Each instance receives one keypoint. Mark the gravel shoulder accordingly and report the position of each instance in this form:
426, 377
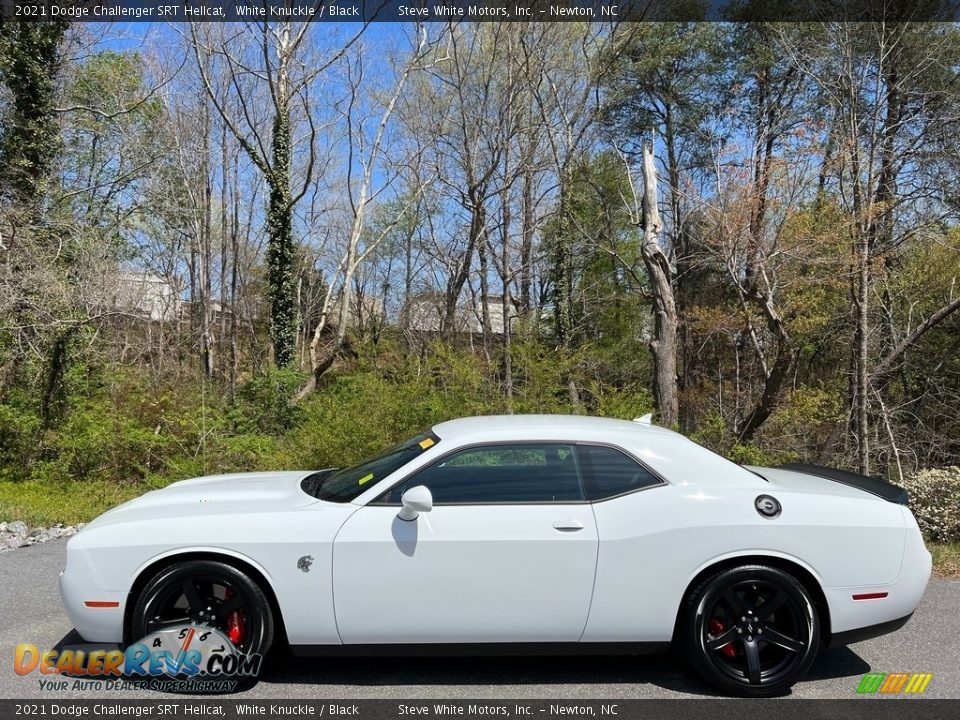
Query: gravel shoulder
15, 535
31, 612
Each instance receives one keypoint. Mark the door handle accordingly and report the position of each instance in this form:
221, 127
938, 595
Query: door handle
567, 525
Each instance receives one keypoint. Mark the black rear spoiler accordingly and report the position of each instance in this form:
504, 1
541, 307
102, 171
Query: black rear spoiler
872, 485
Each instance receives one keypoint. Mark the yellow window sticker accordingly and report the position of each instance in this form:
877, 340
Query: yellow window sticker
366, 478
426, 443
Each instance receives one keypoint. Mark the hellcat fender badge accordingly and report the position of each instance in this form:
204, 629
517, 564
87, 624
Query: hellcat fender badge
304, 563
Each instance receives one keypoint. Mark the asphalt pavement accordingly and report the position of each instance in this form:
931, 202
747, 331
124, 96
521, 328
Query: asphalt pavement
30, 611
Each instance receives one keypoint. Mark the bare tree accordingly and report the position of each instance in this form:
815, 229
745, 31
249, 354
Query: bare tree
663, 346
362, 193
288, 78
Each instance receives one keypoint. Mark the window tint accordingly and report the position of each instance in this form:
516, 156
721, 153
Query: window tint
608, 472
500, 474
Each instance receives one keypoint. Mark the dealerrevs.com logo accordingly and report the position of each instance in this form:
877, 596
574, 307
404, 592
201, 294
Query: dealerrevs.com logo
182, 658
894, 683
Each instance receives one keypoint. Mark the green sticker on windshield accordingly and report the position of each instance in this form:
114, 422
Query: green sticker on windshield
366, 478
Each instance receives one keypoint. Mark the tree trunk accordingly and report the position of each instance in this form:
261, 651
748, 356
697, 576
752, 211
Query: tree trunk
526, 243
485, 326
861, 354
459, 278
224, 248
663, 346
206, 254
506, 276
283, 329
234, 282
562, 270
686, 355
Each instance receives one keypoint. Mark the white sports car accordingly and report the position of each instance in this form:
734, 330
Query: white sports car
532, 534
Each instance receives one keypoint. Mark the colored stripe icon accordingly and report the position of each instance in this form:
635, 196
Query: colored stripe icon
894, 683
918, 682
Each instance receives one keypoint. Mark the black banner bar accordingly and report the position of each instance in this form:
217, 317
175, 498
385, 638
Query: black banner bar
707, 709
478, 10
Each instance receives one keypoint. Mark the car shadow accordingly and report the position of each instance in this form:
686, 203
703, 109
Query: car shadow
422, 672
73, 641
666, 671
838, 662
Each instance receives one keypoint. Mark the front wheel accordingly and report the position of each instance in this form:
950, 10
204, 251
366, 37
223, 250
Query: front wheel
750, 631
206, 593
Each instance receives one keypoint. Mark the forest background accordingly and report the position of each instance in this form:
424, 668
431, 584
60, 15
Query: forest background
230, 247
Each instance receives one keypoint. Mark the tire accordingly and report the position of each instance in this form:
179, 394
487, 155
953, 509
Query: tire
163, 600
739, 647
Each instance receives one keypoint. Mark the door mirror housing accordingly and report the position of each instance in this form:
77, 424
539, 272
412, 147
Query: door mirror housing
415, 501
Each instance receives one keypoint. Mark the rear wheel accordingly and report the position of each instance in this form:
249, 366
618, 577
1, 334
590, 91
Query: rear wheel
206, 593
750, 631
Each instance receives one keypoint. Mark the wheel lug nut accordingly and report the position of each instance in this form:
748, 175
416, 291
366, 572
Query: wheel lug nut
743, 619
749, 638
759, 631
739, 631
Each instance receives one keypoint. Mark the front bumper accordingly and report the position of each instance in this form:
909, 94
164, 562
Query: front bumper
96, 614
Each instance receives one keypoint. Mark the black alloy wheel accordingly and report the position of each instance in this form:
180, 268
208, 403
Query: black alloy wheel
205, 593
751, 631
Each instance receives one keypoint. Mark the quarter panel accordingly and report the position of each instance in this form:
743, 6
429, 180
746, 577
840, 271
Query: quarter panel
653, 543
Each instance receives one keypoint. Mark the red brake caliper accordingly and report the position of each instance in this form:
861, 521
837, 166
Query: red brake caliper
716, 627
237, 622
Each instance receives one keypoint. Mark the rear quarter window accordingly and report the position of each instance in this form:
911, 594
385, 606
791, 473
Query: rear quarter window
608, 472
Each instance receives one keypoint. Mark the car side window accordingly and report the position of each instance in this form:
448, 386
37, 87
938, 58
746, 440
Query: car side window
501, 474
608, 472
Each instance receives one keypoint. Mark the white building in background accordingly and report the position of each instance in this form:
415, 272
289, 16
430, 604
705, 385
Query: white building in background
146, 294
361, 313
425, 314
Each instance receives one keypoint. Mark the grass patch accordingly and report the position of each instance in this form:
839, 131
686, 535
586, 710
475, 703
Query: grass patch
946, 558
48, 503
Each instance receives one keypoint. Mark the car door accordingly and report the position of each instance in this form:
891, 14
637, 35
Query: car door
507, 554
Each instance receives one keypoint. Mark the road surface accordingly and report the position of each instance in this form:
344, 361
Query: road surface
30, 611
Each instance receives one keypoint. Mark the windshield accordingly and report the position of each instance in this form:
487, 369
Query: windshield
346, 484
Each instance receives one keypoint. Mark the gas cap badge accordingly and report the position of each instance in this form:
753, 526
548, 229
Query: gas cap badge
768, 506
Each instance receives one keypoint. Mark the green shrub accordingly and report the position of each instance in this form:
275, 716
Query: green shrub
18, 432
763, 457
96, 442
935, 502
264, 403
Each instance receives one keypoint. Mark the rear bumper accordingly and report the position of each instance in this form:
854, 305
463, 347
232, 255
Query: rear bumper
881, 609
866, 633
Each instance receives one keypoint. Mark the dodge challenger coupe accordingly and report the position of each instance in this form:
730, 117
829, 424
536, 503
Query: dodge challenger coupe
516, 534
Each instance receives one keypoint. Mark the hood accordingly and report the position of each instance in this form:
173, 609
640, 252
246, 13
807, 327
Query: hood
214, 494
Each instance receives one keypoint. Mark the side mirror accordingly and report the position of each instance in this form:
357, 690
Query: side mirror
415, 501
